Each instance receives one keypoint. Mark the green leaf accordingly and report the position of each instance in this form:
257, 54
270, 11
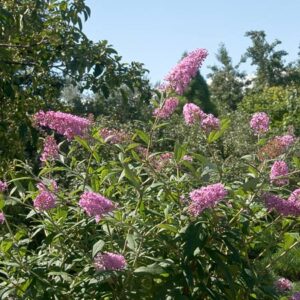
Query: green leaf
168, 227
154, 269
215, 135
179, 151
144, 136
129, 174
131, 243
98, 247
83, 143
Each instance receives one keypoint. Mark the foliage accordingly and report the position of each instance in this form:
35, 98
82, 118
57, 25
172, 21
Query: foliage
224, 253
268, 60
42, 44
227, 83
281, 103
198, 93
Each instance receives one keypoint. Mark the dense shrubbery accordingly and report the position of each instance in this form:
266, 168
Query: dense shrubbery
143, 199
149, 212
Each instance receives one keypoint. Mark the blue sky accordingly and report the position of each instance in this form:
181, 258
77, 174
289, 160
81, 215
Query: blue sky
156, 33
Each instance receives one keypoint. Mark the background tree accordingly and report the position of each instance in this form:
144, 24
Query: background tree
42, 44
227, 82
269, 61
198, 93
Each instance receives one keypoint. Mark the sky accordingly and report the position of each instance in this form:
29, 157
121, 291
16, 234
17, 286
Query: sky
157, 32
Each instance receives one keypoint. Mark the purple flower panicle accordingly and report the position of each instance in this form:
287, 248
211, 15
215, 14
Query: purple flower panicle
2, 218
45, 200
50, 150
192, 113
109, 262
260, 122
3, 186
295, 296
290, 207
181, 75
283, 285
96, 205
66, 124
206, 197
187, 158
168, 108
209, 123
279, 168
114, 136
286, 140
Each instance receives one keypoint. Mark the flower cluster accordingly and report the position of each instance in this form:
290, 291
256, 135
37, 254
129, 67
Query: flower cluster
285, 140
96, 205
187, 158
209, 123
66, 124
192, 113
279, 169
2, 218
50, 150
46, 199
109, 262
290, 207
3, 186
295, 296
206, 197
180, 76
283, 285
260, 122
113, 136
168, 108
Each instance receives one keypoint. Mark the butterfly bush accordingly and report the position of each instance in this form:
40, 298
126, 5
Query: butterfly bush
206, 197
279, 168
168, 108
283, 285
96, 205
210, 122
2, 218
295, 296
286, 140
3, 186
187, 158
290, 207
46, 199
295, 197
63, 123
109, 262
181, 75
192, 113
260, 122
114, 136
50, 150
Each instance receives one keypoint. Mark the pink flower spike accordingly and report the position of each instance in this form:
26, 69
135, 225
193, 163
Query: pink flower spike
50, 151
168, 108
283, 285
109, 262
192, 113
66, 124
206, 197
2, 218
295, 296
3, 186
181, 75
260, 122
209, 123
279, 168
96, 205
